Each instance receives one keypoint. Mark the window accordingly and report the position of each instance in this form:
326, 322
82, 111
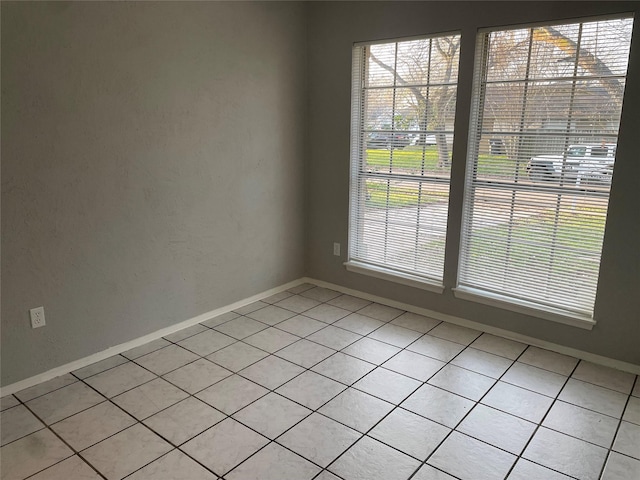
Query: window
535, 212
403, 106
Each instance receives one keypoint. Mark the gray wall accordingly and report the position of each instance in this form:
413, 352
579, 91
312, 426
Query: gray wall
333, 27
152, 167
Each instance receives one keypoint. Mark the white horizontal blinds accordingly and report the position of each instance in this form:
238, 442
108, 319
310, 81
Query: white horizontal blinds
548, 104
403, 110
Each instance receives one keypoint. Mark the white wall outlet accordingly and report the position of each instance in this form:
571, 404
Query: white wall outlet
37, 317
336, 249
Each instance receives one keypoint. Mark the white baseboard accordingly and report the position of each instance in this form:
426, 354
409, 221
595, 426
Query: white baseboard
590, 357
123, 347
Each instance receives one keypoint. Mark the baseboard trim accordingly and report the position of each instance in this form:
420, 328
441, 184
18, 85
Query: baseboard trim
581, 354
123, 347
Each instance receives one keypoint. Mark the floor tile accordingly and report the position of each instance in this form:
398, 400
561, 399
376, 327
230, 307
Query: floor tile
628, 440
410, 433
369, 459
526, 470
356, 409
120, 379
46, 387
387, 385
241, 327
395, 335
349, 302
327, 475
621, 467
566, 454
64, 402
470, 459
100, 366
17, 422
319, 438
167, 359
333, 337
8, 401
206, 343
237, 356
371, 350
232, 394
534, 379
252, 307
605, 377
593, 397
632, 412
497, 428
438, 405
518, 401
416, 322
197, 376
327, 313
93, 425
276, 297
311, 390
173, 465
274, 463
581, 423
427, 472
297, 303
636, 388
224, 446
320, 294
301, 288
462, 382
271, 415
31, 454
499, 346
414, 365
271, 315
548, 360
301, 326
149, 398
185, 333
455, 333
146, 348
126, 452
271, 372
184, 420
305, 353
380, 312
220, 319
482, 362
343, 368
437, 348
73, 468
271, 339
357, 323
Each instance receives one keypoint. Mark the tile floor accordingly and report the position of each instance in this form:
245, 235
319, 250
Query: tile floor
313, 384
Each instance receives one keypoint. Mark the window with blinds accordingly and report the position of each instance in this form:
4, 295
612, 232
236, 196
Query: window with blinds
547, 104
403, 106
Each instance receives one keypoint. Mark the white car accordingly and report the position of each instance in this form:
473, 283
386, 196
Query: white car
581, 163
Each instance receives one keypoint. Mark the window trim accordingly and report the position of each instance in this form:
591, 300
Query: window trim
394, 276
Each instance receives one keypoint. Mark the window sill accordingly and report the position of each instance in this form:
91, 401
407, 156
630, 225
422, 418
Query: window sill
522, 306
393, 276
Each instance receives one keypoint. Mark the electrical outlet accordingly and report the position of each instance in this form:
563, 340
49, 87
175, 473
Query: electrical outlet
336, 249
37, 317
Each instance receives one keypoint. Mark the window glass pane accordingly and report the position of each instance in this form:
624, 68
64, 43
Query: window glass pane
402, 138
548, 103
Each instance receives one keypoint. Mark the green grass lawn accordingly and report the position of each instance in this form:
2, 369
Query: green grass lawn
411, 158
394, 195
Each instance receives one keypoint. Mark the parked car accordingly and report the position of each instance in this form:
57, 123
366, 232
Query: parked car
388, 140
581, 163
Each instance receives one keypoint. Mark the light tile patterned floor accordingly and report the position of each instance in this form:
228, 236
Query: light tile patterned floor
312, 384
